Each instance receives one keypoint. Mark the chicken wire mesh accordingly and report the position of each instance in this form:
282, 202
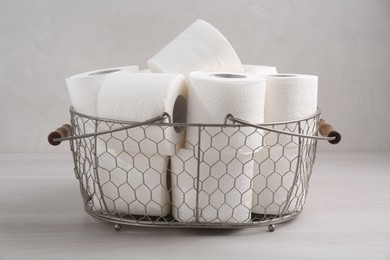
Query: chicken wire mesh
230, 175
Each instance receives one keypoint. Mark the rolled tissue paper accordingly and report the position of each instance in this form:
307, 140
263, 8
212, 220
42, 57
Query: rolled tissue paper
212, 96
275, 178
131, 183
289, 97
223, 187
184, 180
138, 97
260, 69
199, 47
84, 88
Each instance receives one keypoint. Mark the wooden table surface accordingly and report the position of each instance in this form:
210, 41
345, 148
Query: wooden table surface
347, 216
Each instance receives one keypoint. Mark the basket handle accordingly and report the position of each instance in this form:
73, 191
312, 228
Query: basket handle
327, 130
333, 137
62, 132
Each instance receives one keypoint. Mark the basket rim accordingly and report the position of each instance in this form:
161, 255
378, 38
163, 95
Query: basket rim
110, 120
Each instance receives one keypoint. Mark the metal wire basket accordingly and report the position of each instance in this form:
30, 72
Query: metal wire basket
235, 174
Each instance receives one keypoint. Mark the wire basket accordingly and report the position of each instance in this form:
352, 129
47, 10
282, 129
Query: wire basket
234, 175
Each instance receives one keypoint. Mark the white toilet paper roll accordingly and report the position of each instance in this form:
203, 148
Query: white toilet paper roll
184, 166
138, 97
260, 69
199, 47
275, 178
84, 88
212, 96
132, 183
224, 186
289, 97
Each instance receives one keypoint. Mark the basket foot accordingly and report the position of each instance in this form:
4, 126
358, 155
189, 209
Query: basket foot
117, 227
271, 228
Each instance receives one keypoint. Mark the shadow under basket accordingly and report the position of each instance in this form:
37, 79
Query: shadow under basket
164, 174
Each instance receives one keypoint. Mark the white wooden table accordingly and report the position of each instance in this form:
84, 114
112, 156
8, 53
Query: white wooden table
347, 216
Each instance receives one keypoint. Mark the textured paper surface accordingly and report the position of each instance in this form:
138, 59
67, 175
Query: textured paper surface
132, 183
84, 88
212, 97
275, 178
260, 69
200, 47
289, 97
225, 193
138, 97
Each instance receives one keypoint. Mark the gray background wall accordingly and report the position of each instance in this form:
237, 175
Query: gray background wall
345, 43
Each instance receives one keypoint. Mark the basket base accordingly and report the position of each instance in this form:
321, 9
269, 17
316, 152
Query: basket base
117, 227
146, 221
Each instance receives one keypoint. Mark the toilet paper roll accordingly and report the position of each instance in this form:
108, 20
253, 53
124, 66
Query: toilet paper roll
184, 166
275, 178
223, 187
212, 96
83, 91
289, 97
138, 97
199, 47
260, 69
84, 88
131, 183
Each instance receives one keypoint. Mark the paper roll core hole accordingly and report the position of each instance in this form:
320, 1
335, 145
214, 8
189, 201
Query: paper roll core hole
179, 114
103, 72
229, 76
283, 76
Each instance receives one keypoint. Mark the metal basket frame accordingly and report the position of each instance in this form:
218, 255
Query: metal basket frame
84, 150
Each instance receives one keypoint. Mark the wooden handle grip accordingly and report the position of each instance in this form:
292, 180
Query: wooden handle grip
61, 132
327, 130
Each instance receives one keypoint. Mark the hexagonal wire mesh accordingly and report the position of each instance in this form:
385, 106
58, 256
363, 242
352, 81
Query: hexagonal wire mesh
235, 175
